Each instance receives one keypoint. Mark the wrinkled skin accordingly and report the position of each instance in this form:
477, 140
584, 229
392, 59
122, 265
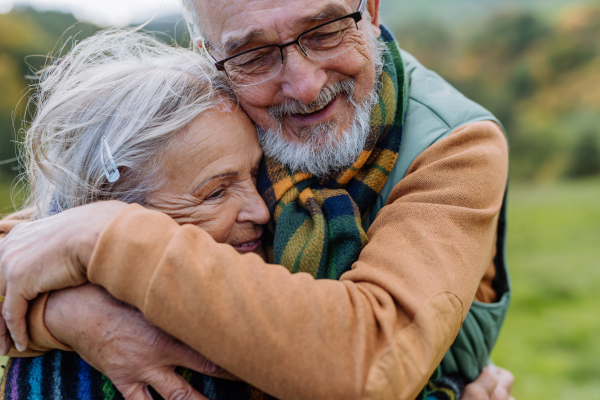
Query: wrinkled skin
108, 328
210, 174
301, 78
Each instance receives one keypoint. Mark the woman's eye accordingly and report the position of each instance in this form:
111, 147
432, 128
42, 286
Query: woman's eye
216, 194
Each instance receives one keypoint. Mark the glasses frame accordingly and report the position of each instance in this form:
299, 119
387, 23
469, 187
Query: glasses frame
220, 65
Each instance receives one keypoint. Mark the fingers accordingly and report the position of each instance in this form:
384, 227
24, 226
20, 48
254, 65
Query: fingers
187, 357
135, 391
483, 387
14, 310
172, 386
5, 341
505, 383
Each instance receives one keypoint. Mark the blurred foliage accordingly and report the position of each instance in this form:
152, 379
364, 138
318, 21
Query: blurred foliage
28, 41
586, 157
539, 75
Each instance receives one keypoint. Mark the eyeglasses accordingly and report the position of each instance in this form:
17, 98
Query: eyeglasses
324, 41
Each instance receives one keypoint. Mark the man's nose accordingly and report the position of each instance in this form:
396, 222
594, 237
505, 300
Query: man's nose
254, 209
302, 77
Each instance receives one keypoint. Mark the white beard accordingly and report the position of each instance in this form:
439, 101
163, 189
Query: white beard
322, 150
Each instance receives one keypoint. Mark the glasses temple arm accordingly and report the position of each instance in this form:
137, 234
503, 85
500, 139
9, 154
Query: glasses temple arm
362, 6
205, 49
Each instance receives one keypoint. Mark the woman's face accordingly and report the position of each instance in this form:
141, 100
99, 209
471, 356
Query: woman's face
210, 170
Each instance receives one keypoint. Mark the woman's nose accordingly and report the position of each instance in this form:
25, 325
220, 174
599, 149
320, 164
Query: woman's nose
254, 209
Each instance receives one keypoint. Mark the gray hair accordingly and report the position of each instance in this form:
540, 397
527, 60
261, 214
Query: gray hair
192, 18
122, 85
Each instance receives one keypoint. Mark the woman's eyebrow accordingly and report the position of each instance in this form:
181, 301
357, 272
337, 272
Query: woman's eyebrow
225, 175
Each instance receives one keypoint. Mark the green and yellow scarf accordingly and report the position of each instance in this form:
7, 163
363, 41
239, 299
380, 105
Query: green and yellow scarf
316, 225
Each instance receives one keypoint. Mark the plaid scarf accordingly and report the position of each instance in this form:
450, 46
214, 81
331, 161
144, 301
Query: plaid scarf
316, 225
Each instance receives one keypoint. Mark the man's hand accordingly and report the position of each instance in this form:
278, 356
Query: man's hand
118, 341
48, 254
493, 383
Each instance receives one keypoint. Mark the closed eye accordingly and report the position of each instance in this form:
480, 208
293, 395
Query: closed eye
216, 194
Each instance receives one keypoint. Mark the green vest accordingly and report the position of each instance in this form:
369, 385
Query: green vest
435, 109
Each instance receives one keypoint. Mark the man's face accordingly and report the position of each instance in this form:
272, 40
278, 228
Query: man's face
256, 23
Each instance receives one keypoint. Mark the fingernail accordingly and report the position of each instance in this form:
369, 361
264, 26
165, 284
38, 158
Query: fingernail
20, 347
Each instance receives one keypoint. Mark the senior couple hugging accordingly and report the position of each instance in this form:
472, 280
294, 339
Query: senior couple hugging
160, 254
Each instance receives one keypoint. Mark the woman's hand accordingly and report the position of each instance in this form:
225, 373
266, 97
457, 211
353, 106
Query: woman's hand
118, 341
493, 383
44, 255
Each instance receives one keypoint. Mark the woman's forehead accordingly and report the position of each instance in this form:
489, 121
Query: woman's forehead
219, 141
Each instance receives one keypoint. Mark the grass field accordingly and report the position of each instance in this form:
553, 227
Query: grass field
551, 340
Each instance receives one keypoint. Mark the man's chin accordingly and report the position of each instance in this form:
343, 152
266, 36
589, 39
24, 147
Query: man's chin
328, 132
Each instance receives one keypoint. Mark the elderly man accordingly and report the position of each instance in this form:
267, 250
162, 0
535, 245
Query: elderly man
375, 166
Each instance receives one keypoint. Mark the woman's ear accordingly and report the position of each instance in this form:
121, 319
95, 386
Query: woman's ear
373, 7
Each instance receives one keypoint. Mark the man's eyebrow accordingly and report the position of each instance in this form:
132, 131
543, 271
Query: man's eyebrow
329, 11
204, 182
232, 44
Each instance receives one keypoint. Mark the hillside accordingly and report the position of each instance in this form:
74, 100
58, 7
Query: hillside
539, 76
457, 13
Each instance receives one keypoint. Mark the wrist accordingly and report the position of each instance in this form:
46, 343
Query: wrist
73, 316
56, 316
94, 220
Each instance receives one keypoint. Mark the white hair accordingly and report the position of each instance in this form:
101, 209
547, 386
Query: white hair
192, 18
122, 85
322, 151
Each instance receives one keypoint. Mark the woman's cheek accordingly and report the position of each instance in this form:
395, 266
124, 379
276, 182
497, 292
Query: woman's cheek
217, 221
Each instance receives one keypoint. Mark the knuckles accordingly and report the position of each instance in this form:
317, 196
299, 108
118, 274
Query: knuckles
181, 394
475, 393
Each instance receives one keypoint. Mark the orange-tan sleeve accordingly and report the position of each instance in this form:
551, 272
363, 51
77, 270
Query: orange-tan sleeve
41, 340
378, 333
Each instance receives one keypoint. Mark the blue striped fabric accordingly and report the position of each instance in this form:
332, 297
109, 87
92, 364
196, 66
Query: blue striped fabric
61, 375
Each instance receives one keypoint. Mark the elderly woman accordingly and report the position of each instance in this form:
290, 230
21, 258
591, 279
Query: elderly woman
124, 117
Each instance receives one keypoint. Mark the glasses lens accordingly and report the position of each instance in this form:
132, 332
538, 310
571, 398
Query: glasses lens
255, 66
330, 40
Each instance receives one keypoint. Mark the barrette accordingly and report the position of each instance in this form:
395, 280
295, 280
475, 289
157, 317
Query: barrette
109, 165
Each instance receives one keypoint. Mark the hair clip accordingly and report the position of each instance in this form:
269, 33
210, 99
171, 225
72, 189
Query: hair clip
110, 170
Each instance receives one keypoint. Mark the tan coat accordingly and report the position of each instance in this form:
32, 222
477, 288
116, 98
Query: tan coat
378, 333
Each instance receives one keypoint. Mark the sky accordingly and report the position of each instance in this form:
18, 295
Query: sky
102, 12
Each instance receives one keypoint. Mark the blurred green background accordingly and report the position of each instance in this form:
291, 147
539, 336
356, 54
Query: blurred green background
536, 65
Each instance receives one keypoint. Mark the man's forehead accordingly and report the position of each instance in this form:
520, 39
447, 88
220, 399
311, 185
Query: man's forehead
232, 20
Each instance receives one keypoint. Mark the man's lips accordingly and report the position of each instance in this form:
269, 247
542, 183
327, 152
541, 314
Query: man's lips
248, 246
316, 116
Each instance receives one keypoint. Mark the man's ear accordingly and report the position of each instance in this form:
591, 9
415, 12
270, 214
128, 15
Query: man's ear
373, 7
198, 42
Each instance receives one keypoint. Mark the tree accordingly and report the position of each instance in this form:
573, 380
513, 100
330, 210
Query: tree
585, 160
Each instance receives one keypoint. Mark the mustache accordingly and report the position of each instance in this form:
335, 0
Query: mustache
326, 96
